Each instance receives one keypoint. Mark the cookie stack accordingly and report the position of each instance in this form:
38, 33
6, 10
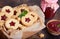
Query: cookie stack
17, 18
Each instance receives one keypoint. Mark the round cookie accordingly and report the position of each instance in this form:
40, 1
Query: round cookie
27, 20
22, 8
34, 15
8, 11
12, 24
15, 12
3, 18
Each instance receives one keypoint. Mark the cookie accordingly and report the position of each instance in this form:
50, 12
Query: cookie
8, 11
15, 12
27, 20
34, 15
23, 8
12, 24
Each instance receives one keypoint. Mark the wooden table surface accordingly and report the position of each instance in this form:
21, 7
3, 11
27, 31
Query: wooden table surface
14, 3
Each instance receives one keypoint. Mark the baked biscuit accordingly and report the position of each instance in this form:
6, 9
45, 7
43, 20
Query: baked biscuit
3, 18
22, 8
34, 15
15, 12
12, 24
8, 11
27, 20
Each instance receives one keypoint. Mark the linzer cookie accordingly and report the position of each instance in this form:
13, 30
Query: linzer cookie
8, 11
12, 24
27, 20
15, 12
34, 15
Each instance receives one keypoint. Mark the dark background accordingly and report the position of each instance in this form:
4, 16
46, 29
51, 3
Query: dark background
14, 3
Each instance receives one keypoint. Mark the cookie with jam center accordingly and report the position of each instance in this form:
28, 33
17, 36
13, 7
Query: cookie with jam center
34, 15
3, 18
27, 20
15, 12
12, 24
22, 8
8, 10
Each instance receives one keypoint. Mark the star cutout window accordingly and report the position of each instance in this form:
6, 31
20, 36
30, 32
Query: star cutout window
3, 17
27, 20
7, 10
12, 23
15, 12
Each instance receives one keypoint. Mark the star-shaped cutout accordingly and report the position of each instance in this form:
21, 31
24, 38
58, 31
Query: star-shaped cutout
7, 10
27, 19
12, 23
3, 17
15, 12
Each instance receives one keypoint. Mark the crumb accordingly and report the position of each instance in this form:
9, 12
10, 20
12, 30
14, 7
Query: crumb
41, 35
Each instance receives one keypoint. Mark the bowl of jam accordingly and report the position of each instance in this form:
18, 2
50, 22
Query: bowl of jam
53, 26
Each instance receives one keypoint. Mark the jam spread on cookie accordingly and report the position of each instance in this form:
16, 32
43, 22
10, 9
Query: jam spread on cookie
3, 17
15, 12
12, 23
27, 20
54, 26
7, 10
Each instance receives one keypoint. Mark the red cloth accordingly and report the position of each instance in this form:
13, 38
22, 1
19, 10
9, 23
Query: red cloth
49, 3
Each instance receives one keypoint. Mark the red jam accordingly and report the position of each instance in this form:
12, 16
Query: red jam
15, 12
12, 23
54, 26
49, 13
3, 17
7, 10
27, 20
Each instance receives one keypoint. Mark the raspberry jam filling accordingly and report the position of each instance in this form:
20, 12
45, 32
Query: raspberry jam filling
15, 12
54, 26
7, 10
12, 23
27, 20
3, 17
